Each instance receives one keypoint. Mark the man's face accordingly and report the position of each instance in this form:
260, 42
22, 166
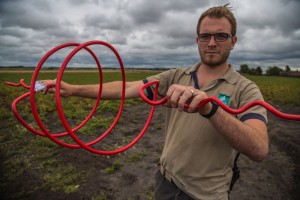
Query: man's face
212, 52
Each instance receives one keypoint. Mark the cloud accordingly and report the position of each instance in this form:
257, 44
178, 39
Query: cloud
146, 33
269, 33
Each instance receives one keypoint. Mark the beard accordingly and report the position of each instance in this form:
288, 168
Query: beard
214, 60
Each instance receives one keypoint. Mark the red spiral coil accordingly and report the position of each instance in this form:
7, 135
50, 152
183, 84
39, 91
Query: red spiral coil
71, 132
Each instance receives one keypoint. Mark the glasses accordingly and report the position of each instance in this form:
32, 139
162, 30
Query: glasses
219, 37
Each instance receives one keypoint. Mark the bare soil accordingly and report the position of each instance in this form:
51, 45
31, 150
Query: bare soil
276, 178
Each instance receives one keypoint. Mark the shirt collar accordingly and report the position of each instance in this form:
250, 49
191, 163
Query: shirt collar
193, 69
231, 76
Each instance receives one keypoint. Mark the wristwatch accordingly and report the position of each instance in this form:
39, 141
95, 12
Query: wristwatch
213, 110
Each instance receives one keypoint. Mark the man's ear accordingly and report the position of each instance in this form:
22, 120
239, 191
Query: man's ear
233, 41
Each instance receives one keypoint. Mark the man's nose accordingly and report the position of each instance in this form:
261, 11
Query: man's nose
212, 41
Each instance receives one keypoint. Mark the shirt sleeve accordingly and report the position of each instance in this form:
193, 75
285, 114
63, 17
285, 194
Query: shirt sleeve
251, 93
165, 81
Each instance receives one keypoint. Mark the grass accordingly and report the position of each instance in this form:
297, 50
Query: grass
136, 156
279, 90
23, 152
40, 157
101, 196
114, 167
60, 177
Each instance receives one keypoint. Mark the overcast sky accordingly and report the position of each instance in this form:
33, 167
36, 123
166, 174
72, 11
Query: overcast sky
146, 33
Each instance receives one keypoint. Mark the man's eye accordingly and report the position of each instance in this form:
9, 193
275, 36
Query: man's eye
221, 35
205, 36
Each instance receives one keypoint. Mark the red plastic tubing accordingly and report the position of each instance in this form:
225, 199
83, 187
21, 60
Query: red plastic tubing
71, 132
226, 108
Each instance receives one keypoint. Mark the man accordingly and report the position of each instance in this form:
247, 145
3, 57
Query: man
201, 144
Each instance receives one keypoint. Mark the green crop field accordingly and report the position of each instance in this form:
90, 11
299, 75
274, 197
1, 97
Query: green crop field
21, 150
284, 91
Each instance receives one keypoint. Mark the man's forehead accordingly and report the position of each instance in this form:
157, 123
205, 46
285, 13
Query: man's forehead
215, 24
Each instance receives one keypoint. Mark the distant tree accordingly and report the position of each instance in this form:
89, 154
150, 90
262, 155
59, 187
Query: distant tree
287, 69
244, 69
259, 70
252, 71
274, 71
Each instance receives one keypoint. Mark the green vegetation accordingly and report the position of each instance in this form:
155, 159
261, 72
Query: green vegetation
101, 196
41, 158
284, 91
59, 177
246, 70
271, 71
114, 167
136, 156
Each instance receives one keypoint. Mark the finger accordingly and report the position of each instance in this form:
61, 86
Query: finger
47, 90
175, 98
170, 91
51, 90
167, 104
198, 97
186, 96
173, 95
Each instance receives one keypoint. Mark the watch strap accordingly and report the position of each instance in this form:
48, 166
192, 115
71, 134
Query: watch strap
213, 110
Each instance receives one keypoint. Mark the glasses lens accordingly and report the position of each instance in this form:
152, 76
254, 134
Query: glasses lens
204, 37
221, 37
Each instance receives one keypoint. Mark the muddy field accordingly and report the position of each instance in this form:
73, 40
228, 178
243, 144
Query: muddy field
275, 178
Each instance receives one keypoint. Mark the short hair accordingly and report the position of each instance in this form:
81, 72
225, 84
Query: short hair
219, 12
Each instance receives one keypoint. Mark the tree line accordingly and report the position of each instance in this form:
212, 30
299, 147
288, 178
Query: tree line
272, 71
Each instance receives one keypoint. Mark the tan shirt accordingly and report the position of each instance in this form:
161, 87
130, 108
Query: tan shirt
199, 160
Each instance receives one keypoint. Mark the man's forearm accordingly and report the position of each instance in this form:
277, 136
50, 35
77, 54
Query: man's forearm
87, 91
110, 90
249, 137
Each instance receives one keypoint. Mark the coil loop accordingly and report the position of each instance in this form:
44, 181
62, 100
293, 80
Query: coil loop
71, 132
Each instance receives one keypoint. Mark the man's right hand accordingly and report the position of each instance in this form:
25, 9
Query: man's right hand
65, 88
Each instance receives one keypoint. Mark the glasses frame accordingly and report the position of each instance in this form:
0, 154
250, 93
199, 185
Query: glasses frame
217, 39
